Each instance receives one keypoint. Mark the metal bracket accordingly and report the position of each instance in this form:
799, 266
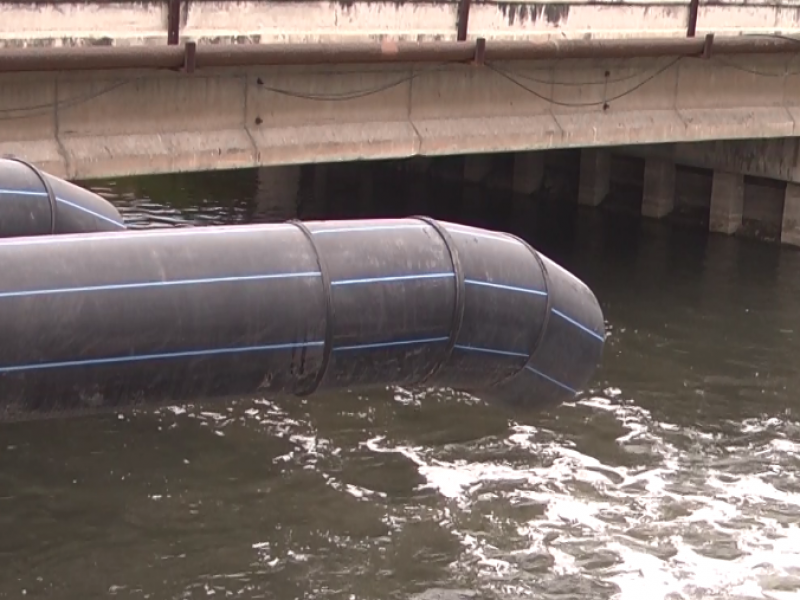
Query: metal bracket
173, 22
691, 27
707, 45
462, 24
480, 52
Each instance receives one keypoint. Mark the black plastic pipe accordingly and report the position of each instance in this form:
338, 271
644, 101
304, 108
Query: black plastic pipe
33, 202
100, 321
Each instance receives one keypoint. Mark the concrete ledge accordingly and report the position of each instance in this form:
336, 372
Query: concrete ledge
310, 21
99, 124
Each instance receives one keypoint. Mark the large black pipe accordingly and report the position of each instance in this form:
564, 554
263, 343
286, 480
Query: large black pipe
110, 320
36, 203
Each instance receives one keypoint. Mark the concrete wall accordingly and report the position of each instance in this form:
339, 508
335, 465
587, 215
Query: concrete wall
777, 158
78, 23
111, 123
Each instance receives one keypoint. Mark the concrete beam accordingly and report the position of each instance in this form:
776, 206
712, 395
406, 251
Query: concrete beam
77, 23
100, 124
528, 172
276, 193
477, 167
790, 225
727, 202
658, 194
595, 176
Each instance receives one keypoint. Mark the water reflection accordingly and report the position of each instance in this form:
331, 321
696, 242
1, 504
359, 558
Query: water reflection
674, 477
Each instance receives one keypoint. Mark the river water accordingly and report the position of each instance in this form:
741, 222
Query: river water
674, 476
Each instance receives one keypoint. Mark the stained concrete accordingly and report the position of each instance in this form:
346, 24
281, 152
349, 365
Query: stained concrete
90, 23
99, 124
727, 202
595, 176
658, 195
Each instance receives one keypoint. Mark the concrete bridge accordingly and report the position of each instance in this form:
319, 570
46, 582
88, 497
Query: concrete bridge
98, 89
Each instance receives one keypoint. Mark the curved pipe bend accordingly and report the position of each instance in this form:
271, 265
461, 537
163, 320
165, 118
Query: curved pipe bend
33, 202
288, 309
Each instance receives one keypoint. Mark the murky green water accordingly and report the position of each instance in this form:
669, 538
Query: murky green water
675, 476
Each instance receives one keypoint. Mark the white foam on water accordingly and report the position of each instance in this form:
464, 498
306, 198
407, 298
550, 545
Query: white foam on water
673, 527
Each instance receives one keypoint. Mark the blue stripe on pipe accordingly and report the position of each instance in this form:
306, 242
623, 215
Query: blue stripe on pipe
369, 228
391, 344
91, 212
392, 278
579, 325
551, 380
63, 201
140, 235
487, 236
144, 357
153, 284
501, 286
491, 351
22, 193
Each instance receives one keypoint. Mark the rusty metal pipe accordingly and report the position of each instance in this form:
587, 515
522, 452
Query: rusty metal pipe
207, 56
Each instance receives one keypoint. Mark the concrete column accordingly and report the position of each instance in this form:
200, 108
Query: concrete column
595, 176
477, 167
418, 164
528, 172
320, 181
727, 202
276, 193
365, 189
658, 195
790, 225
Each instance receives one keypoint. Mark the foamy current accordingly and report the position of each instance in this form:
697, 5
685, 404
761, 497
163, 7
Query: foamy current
678, 513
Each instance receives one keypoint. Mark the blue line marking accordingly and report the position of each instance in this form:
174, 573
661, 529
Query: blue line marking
23, 193
137, 235
595, 335
91, 212
501, 286
391, 344
488, 236
392, 278
491, 351
551, 380
144, 357
372, 228
63, 201
151, 284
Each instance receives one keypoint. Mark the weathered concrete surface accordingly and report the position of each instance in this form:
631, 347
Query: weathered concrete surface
595, 176
85, 125
790, 226
777, 158
727, 202
124, 23
658, 195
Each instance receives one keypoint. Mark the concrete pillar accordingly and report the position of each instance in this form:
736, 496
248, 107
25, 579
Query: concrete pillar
320, 181
477, 167
727, 202
528, 172
595, 176
658, 195
365, 189
790, 225
418, 164
276, 193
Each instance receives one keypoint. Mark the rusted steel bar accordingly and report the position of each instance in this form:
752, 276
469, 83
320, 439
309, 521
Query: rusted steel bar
707, 46
208, 56
462, 25
173, 22
480, 52
691, 28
